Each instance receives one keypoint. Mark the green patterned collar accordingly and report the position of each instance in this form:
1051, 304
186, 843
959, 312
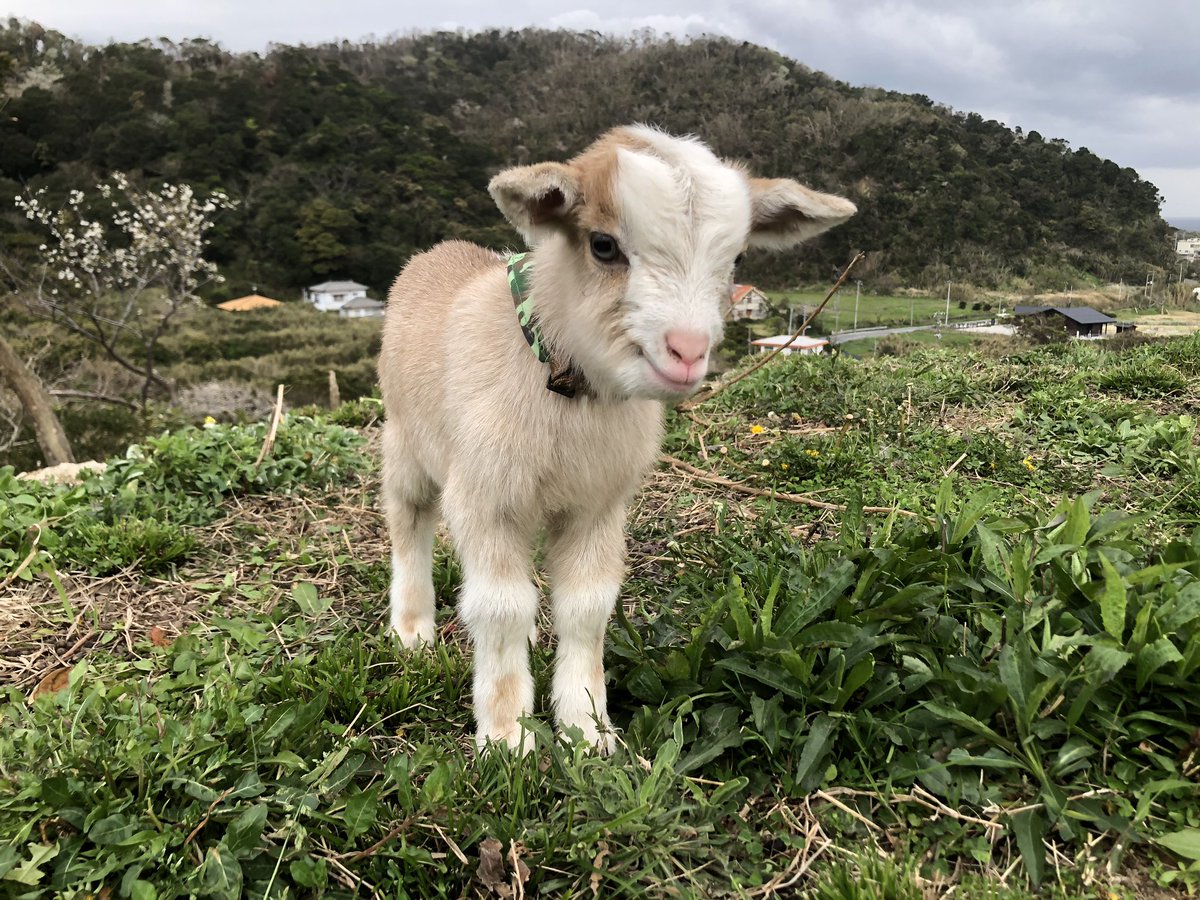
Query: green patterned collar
564, 378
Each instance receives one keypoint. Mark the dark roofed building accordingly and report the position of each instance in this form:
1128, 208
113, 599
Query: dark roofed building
1080, 321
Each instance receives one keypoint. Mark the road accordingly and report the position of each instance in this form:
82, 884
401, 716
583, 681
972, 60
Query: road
842, 337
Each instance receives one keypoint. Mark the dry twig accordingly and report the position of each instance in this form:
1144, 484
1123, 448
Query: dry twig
803, 500
275, 417
696, 401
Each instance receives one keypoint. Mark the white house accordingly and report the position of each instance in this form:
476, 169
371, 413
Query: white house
362, 308
747, 302
802, 344
1188, 246
330, 296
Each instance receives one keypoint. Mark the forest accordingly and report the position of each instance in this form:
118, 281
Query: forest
344, 159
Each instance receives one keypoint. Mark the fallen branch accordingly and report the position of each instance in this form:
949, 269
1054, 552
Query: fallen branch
33, 552
802, 499
208, 815
100, 398
696, 401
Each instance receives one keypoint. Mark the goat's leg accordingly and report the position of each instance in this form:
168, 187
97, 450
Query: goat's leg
409, 504
498, 606
586, 562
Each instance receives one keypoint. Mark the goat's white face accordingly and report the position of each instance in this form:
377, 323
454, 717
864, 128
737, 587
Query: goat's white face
637, 240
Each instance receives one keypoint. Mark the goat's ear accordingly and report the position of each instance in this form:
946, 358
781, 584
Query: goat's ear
784, 212
535, 199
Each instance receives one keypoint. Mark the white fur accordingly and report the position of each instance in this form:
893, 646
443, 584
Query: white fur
470, 421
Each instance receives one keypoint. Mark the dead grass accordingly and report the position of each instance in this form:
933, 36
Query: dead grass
249, 560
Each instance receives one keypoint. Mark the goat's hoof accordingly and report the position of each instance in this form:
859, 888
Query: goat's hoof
516, 740
414, 634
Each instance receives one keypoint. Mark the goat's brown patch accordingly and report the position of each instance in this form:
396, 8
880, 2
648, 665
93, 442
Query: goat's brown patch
596, 171
504, 706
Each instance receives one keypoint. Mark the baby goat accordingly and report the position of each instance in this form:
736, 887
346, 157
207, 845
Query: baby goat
535, 396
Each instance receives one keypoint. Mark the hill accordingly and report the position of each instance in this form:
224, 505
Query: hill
347, 158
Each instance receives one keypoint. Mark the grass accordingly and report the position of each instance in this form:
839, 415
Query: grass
874, 309
898, 344
989, 690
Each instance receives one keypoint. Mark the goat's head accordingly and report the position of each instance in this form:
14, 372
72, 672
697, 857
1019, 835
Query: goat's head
636, 242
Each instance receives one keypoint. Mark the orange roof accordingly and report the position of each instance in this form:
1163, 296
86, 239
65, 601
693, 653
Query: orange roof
253, 301
740, 291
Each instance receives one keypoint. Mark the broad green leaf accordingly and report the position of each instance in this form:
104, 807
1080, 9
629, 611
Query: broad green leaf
308, 872
221, 873
969, 515
143, 890
644, 684
1013, 677
764, 672
30, 871
1184, 608
969, 722
112, 830
306, 597
245, 831
730, 788
1104, 662
835, 633
1112, 600
739, 611
1073, 531
944, 498
1153, 657
812, 756
56, 792
1185, 843
858, 675
361, 810
1141, 626
1030, 830
993, 551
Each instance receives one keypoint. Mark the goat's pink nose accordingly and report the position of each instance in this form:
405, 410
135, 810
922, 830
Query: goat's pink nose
689, 347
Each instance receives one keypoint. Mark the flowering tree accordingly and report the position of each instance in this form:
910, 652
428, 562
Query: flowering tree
119, 268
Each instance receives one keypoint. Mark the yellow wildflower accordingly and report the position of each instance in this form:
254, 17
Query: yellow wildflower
209, 421
1027, 462
757, 429
814, 454
784, 466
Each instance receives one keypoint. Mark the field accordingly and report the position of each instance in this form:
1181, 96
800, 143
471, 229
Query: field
904, 343
1171, 323
900, 627
873, 310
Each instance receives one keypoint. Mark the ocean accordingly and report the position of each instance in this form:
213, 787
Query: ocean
1185, 223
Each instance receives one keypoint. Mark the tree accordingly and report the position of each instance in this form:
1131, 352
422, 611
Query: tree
119, 269
37, 404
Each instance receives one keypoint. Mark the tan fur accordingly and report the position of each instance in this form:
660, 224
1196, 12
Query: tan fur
457, 375
471, 426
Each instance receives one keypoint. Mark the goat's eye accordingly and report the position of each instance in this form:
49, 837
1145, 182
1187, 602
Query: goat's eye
605, 247
737, 260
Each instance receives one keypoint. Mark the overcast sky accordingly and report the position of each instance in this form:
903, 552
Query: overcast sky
1119, 77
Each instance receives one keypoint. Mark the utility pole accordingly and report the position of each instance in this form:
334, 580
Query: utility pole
857, 294
912, 309
791, 313
947, 322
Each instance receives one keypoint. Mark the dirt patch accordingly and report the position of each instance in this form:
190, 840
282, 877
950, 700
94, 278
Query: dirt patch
1173, 323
